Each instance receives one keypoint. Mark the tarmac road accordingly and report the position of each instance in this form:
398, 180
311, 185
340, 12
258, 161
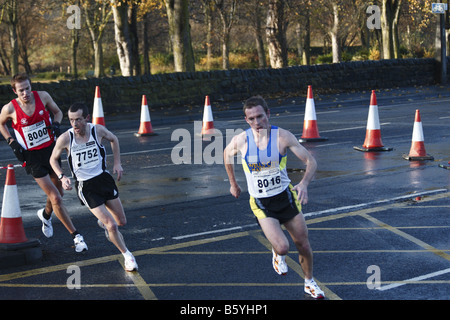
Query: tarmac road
378, 224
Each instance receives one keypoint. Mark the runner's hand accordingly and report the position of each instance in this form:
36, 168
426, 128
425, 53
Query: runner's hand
118, 169
302, 193
235, 191
18, 150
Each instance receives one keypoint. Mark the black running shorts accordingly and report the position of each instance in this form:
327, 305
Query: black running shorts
38, 162
283, 206
96, 191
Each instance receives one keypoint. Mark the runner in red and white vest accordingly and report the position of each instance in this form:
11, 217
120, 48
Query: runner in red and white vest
34, 139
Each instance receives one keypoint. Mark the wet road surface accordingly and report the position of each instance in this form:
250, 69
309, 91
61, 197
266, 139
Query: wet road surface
378, 224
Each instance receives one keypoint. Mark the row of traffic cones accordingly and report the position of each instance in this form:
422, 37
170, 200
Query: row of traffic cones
145, 128
372, 142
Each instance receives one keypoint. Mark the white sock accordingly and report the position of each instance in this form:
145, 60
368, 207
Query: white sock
127, 253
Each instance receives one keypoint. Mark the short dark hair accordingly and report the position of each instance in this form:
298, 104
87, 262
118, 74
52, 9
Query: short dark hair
254, 102
19, 77
79, 106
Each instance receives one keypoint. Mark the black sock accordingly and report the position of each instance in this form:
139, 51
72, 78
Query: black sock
46, 215
74, 234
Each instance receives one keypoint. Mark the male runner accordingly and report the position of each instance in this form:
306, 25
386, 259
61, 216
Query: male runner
273, 200
95, 186
35, 133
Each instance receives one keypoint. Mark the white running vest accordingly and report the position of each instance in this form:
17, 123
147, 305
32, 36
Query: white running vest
265, 170
86, 160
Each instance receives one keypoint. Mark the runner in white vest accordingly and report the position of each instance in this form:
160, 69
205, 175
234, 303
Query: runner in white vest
95, 186
273, 199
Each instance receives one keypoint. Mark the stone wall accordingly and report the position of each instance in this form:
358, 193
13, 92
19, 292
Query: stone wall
123, 94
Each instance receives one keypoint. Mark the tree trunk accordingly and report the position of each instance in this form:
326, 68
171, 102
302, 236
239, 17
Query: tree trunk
334, 34
259, 37
99, 70
123, 39
180, 34
146, 49
74, 46
12, 20
389, 18
276, 34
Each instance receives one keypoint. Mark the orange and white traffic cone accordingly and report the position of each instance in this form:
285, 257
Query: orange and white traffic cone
310, 129
373, 133
417, 151
208, 122
145, 128
15, 248
11, 227
97, 112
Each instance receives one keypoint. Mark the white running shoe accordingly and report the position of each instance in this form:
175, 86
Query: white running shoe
80, 245
279, 263
130, 262
313, 290
47, 228
101, 225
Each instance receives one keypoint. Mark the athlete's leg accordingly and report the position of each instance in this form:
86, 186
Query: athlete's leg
115, 207
104, 215
299, 233
273, 232
54, 201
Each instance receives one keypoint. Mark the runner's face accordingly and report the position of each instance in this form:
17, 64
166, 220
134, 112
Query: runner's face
78, 122
257, 118
23, 91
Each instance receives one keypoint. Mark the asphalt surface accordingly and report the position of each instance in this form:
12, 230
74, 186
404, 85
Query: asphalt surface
378, 224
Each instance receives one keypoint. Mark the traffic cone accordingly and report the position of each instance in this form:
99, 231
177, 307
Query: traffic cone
373, 134
11, 227
310, 129
97, 112
417, 151
208, 122
145, 129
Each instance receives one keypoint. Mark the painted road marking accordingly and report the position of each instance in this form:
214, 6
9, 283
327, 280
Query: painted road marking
145, 287
415, 279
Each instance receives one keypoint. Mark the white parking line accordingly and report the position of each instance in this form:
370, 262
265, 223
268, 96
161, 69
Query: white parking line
361, 205
423, 277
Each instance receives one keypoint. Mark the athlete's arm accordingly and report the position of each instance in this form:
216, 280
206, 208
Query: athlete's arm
229, 153
61, 144
5, 115
288, 140
51, 105
104, 133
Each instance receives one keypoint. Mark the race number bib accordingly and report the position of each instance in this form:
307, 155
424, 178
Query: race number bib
36, 134
85, 155
267, 183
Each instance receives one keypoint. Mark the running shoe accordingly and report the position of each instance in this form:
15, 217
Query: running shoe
101, 225
47, 228
80, 245
279, 263
130, 263
313, 290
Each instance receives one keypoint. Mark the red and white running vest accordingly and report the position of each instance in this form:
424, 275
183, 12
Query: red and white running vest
31, 132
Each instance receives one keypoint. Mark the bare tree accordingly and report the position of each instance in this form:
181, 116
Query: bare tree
227, 13
10, 11
180, 34
390, 11
98, 13
276, 34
